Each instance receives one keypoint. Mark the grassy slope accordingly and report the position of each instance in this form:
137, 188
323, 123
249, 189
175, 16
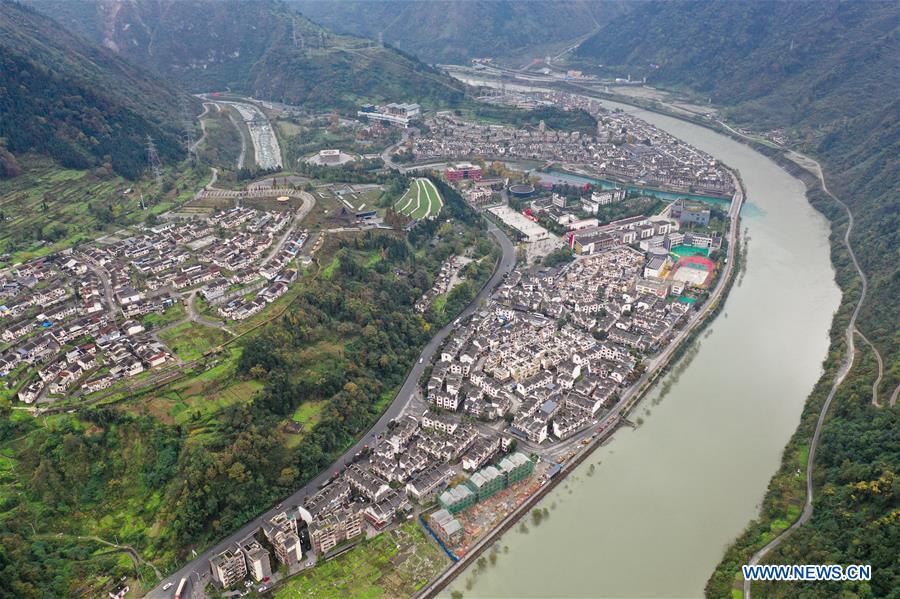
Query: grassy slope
47, 207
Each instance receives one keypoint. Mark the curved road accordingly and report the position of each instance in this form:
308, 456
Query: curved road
200, 565
880, 376
816, 168
197, 143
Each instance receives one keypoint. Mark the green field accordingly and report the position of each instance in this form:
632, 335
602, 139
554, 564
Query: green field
190, 340
173, 314
393, 564
421, 200
308, 414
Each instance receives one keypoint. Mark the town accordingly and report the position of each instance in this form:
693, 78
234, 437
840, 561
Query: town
83, 320
515, 391
536, 373
624, 148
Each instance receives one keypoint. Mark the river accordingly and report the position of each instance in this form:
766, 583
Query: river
651, 513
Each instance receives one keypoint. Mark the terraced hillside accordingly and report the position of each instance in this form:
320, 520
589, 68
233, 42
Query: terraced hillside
422, 200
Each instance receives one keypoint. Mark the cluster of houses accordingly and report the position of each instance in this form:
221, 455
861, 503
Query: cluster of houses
59, 330
276, 542
542, 362
78, 319
272, 280
623, 148
406, 471
554, 349
449, 271
575, 216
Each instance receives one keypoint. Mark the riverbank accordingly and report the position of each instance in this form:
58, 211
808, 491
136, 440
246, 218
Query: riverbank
660, 365
788, 502
672, 494
789, 498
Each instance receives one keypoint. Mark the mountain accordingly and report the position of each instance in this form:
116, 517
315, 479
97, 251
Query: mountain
64, 96
447, 31
826, 73
782, 63
258, 48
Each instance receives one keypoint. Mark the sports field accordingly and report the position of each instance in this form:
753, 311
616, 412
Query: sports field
421, 200
683, 251
694, 270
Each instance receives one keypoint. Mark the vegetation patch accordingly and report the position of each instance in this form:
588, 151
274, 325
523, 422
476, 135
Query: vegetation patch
190, 340
308, 414
395, 564
421, 200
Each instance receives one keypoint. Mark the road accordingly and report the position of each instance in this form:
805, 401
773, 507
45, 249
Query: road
389, 151
200, 565
816, 169
880, 376
194, 316
308, 202
242, 157
197, 143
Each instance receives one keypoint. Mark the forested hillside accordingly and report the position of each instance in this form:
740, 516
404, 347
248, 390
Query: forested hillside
827, 74
64, 96
259, 48
446, 31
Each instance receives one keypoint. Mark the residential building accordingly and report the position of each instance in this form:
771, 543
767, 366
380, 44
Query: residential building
228, 567
457, 499
341, 525
688, 212
426, 485
258, 565
463, 170
515, 467
382, 513
486, 482
281, 531
446, 527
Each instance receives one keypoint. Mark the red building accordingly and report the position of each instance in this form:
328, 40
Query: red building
463, 171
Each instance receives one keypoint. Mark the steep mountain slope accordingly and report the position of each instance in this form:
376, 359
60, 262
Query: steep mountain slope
66, 97
258, 48
782, 62
826, 72
448, 31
